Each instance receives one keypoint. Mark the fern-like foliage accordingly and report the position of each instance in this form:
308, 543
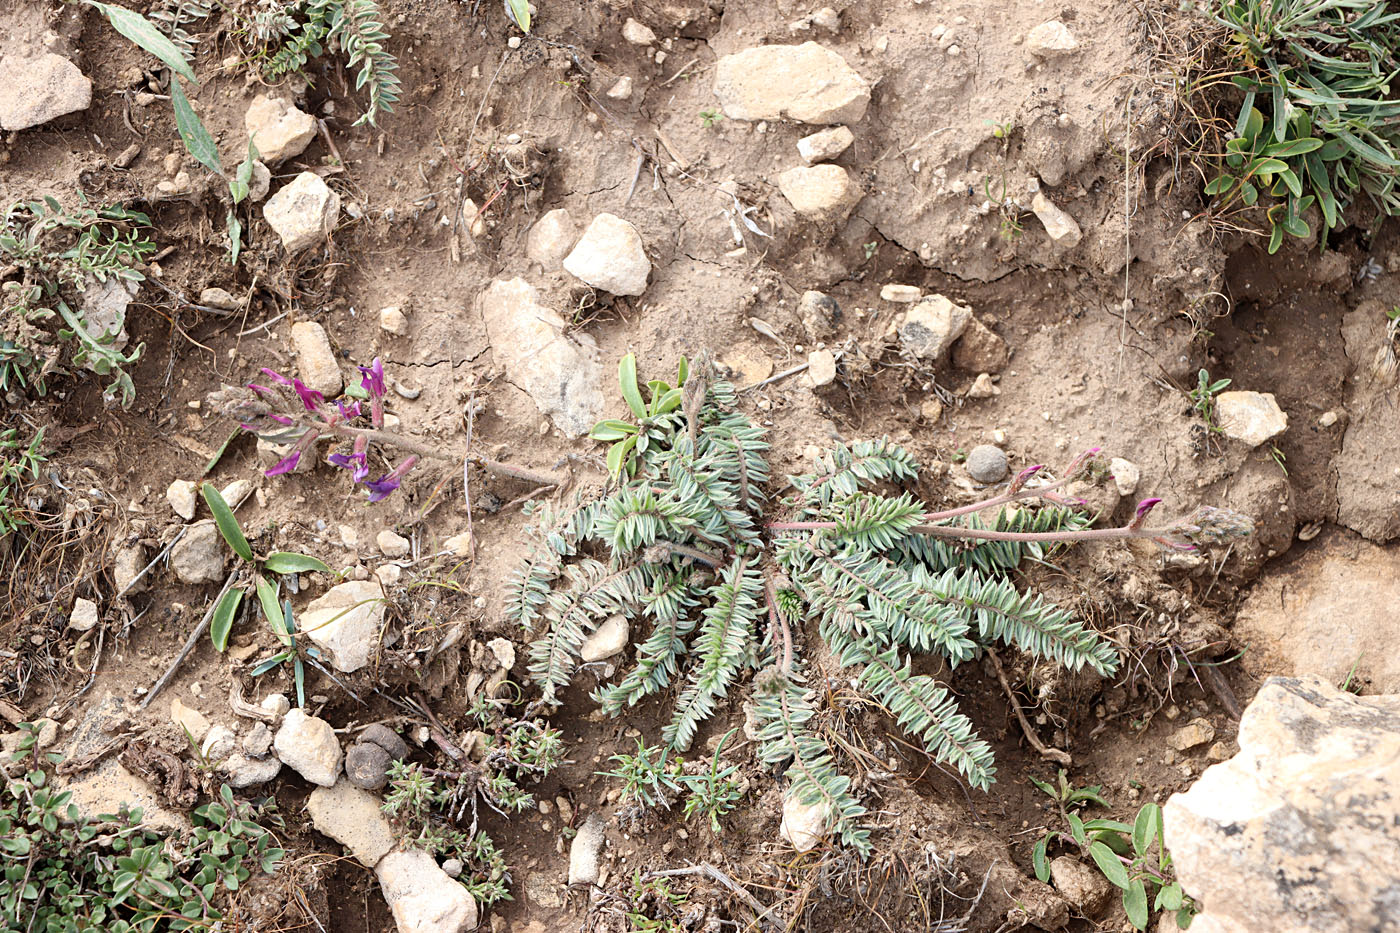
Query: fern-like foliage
172, 16
681, 542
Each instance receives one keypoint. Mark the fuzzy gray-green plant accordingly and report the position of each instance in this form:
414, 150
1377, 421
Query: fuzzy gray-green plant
681, 542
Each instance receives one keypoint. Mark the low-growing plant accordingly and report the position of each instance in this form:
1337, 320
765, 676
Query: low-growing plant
19, 465
1133, 858
1203, 398
51, 255
64, 871
264, 582
691, 542
650, 778
654, 906
712, 793
1322, 72
709, 117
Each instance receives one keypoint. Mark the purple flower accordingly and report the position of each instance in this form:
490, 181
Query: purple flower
1140, 516
310, 398
354, 461
286, 465
382, 487
372, 381
348, 412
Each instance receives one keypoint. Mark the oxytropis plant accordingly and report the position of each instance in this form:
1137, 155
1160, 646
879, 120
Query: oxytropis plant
690, 538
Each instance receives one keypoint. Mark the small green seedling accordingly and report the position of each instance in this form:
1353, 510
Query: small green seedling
709, 117
653, 417
1203, 398
264, 570
14, 467
712, 793
1131, 857
649, 778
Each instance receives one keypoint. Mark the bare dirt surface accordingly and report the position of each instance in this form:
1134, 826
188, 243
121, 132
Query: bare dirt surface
1106, 336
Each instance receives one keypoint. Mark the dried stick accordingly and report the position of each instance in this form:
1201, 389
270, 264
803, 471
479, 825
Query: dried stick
1053, 754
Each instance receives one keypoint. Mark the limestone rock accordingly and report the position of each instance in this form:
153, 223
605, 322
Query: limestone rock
804, 824
221, 298
278, 129
1048, 39
825, 145
107, 786
261, 182
552, 236
460, 545
126, 564
901, 294
806, 82
1300, 831
198, 557
36, 90
983, 387
352, 817
1328, 610
823, 193
621, 89
315, 359
561, 374
309, 747
608, 639
242, 771
821, 366
1196, 732
637, 33
422, 897
103, 306
391, 544
610, 256
1126, 475
218, 744
345, 622
1252, 417
393, 321
258, 741
504, 651
585, 850
235, 492
1084, 887
1061, 227
84, 616
980, 349
303, 213
189, 720
180, 495
987, 464
820, 313
929, 328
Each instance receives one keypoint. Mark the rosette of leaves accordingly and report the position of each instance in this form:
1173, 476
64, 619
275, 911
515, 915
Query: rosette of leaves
681, 543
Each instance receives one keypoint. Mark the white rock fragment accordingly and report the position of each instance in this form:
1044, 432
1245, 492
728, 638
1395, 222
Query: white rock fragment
309, 747
585, 850
345, 622
198, 557
901, 294
621, 89
276, 704
551, 238
278, 129
806, 82
242, 771
607, 639
610, 255
1061, 227
220, 298
353, 818
825, 145
504, 650
316, 361
931, 326
561, 373
804, 824
189, 720
983, 387
37, 90
822, 193
392, 320
821, 367
637, 33
1252, 417
180, 496
84, 616
460, 545
218, 744
235, 492
1125, 475
391, 544
422, 897
1194, 733
303, 213
1052, 38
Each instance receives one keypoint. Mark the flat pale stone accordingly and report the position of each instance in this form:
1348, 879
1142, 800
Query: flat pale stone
303, 212
823, 193
353, 818
345, 622
278, 129
806, 82
316, 363
610, 255
1061, 227
37, 90
422, 897
1252, 417
825, 145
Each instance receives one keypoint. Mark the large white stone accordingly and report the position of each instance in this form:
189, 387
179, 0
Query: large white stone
278, 129
806, 82
1050, 38
316, 364
36, 90
825, 145
303, 213
1252, 417
422, 897
353, 818
607, 640
929, 328
1300, 831
84, 616
804, 824
561, 373
823, 193
585, 851
345, 622
309, 747
199, 555
180, 495
551, 238
610, 255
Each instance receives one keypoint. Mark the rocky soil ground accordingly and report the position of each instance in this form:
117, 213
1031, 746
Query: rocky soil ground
965, 226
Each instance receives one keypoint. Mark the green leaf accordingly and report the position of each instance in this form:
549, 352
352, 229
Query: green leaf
1108, 863
1076, 829
228, 524
627, 376
1249, 194
1039, 860
1144, 829
612, 430
1263, 166
267, 597
1275, 239
193, 132
1254, 122
1184, 916
287, 562
1221, 184
1107, 825
1047, 787
682, 372
145, 34
1292, 148
1291, 180
617, 454
1135, 903
519, 11
222, 621
668, 402
243, 177
235, 235
1170, 897
299, 676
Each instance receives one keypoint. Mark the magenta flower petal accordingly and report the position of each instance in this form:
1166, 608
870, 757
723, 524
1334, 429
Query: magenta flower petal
286, 465
276, 377
381, 488
310, 398
372, 378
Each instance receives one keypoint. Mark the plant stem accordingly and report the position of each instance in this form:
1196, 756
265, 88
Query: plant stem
415, 446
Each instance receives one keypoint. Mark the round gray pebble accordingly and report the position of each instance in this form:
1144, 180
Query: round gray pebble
987, 464
367, 766
386, 738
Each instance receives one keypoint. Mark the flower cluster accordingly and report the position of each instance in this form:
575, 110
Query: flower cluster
286, 411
